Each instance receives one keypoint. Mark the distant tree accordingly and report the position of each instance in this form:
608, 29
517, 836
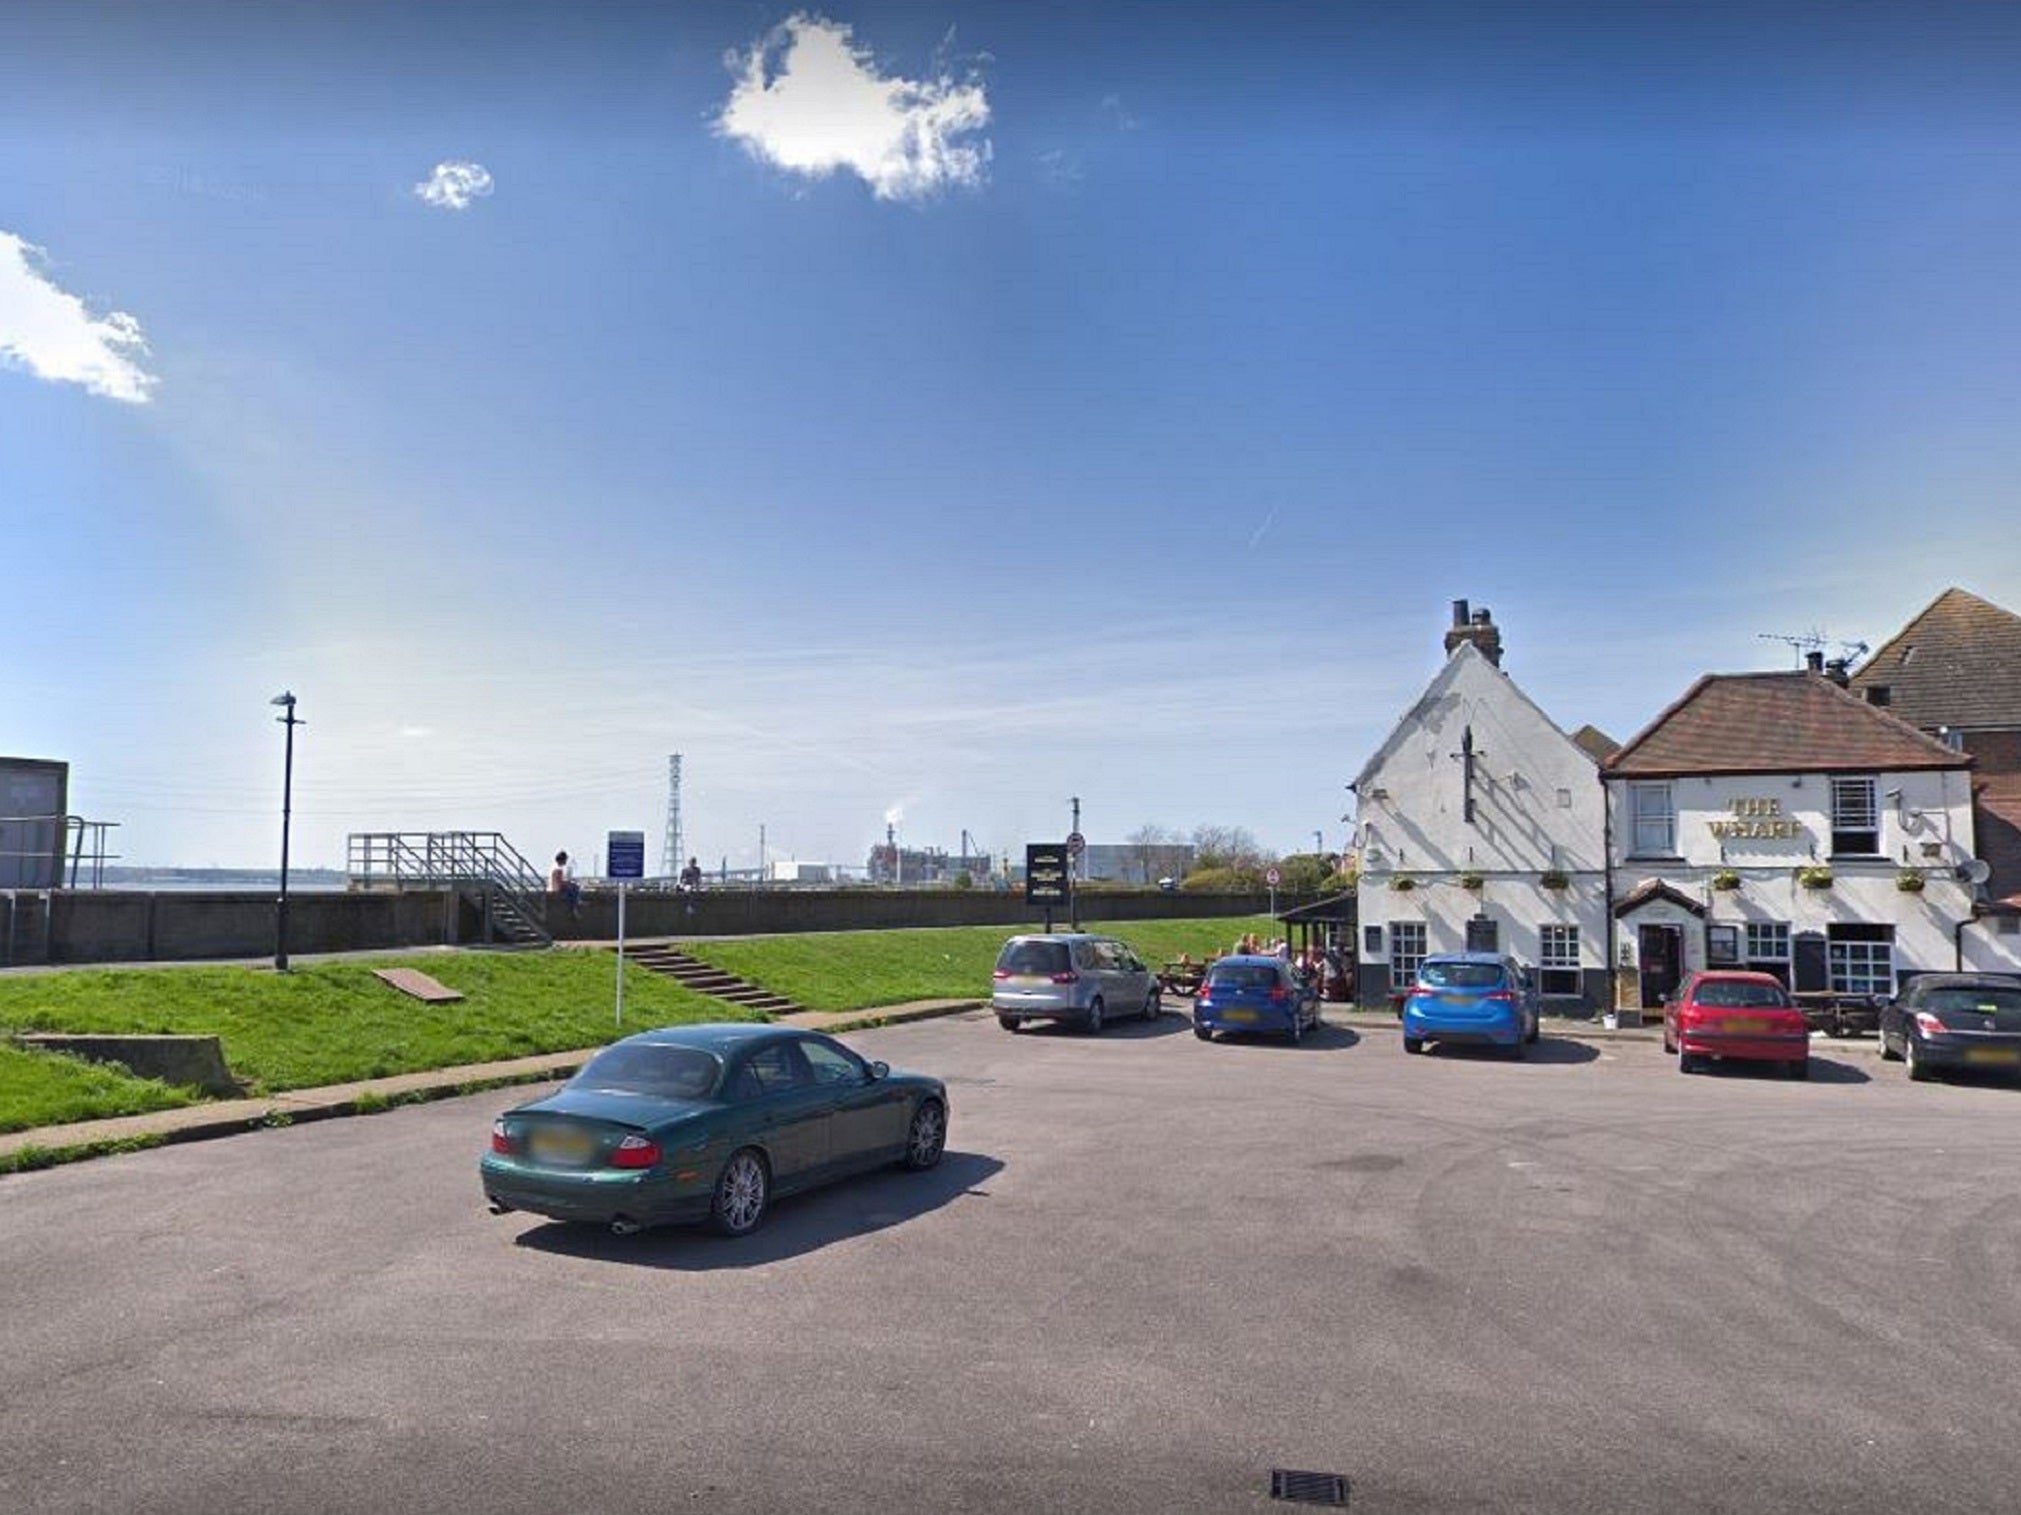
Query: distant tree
1153, 850
1304, 872
1226, 847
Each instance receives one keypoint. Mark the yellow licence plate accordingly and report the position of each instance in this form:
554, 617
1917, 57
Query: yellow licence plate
561, 1145
1238, 1015
1744, 1025
2004, 1055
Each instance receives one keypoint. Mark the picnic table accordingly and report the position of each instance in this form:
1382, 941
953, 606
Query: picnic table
1184, 978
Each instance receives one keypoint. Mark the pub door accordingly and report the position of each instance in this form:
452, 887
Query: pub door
1662, 952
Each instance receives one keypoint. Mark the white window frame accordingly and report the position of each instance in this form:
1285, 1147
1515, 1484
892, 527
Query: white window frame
1409, 944
1856, 811
1652, 820
1860, 967
1757, 935
1558, 952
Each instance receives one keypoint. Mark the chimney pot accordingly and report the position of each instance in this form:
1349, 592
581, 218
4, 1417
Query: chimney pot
1814, 661
1459, 612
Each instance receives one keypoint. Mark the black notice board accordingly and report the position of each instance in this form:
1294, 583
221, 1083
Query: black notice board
1046, 880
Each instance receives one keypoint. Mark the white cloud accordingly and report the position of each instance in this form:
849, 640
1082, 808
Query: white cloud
455, 185
810, 101
47, 331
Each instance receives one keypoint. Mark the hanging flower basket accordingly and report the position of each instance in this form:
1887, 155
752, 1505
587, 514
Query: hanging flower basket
1726, 879
1555, 878
1910, 881
1402, 883
1814, 878
1472, 881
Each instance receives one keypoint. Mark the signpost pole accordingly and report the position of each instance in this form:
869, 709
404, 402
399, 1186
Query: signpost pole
625, 859
621, 956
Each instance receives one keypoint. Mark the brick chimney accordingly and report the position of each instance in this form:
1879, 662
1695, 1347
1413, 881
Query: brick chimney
1477, 627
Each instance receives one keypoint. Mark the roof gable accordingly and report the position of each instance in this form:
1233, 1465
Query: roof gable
1775, 723
1465, 660
1956, 664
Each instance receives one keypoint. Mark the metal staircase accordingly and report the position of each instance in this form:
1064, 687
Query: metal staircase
670, 962
510, 894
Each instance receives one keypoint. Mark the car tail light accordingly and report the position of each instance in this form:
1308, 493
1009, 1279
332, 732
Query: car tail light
501, 1139
1500, 997
1279, 995
635, 1152
1929, 1025
1066, 978
1001, 974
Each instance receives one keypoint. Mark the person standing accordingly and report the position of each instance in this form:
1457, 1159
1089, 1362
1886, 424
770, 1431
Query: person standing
691, 877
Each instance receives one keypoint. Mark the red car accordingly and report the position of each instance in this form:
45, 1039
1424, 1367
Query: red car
1744, 1016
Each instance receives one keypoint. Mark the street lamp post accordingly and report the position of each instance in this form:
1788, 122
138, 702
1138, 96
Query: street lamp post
286, 700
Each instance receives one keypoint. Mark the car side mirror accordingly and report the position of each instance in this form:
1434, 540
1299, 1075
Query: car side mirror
879, 1070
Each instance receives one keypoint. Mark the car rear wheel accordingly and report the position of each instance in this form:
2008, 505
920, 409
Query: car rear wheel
742, 1190
1669, 1044
1687, 1062
1919, 1068
1297, 1032
927, 1139
1092, 1021
1203, 1033
1414, 1045
1009, 1022
1888, 1053
1153, 1006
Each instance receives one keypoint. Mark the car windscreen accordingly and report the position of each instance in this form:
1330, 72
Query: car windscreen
1461, 975
659, 1072
1243, 976
1972, 1001
1719, 995
1034, 957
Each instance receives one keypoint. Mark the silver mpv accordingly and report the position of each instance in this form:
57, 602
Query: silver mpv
1071, 977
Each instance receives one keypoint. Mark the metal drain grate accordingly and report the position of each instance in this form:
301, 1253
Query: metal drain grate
1308, 1488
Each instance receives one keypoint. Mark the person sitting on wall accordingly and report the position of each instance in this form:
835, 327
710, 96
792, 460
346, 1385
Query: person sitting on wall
691, 877
558, 882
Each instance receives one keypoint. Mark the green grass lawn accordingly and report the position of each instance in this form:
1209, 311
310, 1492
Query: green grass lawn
332, 1022
50, 1089
855, 970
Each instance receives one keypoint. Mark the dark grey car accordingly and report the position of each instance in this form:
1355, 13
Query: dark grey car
1071, 976
1955, 1020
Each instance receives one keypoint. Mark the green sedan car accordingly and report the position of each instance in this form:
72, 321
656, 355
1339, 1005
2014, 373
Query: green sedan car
708, 1123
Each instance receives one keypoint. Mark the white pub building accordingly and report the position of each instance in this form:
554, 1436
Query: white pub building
1775, 821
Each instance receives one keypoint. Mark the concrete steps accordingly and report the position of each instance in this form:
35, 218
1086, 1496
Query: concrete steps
670, 962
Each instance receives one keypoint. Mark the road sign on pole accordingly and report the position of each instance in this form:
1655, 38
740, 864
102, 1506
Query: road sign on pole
624, 858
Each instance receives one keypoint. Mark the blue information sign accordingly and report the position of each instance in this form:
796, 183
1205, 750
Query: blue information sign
625, 855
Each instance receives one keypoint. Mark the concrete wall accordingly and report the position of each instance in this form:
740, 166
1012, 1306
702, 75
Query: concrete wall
124, 926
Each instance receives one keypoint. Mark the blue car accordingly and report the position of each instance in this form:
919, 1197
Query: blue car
1254, 994
1479, 997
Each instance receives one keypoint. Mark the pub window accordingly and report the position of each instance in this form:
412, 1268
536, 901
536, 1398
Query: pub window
1558, 960
1722, 946
1406, 952
1655, 820
1371, 940
1861, 958
1766, 947
1856, 824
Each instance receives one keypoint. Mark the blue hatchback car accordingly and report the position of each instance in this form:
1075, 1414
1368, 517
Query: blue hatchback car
1254, 994
1479, 997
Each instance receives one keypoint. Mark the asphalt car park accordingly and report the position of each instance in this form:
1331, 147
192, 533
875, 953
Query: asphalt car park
1146, 1273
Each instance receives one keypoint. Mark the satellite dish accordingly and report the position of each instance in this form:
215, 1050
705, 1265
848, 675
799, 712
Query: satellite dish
1976, 871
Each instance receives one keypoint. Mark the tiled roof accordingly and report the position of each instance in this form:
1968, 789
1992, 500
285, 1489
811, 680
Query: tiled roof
1776, 723
1957, 664
1996, 825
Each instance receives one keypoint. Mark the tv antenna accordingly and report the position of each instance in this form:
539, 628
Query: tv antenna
1812, 641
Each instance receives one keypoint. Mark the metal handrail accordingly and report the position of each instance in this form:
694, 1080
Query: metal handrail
450, 859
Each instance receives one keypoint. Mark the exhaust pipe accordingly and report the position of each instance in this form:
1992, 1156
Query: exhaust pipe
624, 1225
499, 1207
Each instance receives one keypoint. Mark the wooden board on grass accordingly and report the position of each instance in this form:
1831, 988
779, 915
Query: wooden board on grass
413, 981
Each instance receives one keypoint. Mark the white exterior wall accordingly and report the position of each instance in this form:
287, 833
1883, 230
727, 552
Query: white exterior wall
1993, 945
1537, 807
1927, 827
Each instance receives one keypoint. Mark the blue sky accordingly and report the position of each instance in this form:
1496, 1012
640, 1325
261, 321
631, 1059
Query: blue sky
937, 411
